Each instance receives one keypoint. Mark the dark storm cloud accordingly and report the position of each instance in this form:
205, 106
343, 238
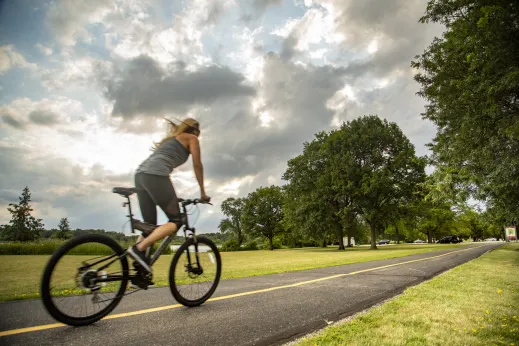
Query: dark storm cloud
43, 117
144, 87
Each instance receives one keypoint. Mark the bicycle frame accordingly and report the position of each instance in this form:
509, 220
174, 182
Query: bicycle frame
157, 253
167, 240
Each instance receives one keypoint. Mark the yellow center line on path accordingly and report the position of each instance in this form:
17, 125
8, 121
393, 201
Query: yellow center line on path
174, 306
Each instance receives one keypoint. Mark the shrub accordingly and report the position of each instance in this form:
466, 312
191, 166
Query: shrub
230, 245
276, 244
252, 245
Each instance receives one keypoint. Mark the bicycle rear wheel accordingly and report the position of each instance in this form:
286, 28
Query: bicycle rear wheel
70, 287
193, 279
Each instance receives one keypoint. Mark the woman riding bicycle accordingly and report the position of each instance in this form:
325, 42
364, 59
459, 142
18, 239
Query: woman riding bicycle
156, 189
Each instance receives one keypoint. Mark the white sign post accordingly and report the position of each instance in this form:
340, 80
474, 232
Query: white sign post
345, 241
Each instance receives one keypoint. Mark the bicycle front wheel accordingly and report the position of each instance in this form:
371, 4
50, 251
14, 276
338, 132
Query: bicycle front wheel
84, 279
195, 271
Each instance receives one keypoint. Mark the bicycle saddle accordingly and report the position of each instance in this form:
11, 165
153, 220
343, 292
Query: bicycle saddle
125, 191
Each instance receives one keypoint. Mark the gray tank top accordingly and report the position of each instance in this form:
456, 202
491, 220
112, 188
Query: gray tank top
168, 156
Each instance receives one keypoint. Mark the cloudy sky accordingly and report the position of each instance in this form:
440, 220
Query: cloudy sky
84, 85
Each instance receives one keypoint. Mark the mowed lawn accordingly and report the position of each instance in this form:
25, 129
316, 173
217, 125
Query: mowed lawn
476, 303
21, 274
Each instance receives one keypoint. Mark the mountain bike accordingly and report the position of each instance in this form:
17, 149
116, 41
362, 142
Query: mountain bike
93, 286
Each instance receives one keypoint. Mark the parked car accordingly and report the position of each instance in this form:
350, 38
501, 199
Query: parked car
491, 239
419, 241
450, 239
383, 242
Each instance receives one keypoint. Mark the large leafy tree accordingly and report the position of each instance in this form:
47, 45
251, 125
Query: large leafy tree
493, 225
473, 223
355, 227
23, 226
445, 186
470, 78
480, 225
262, 213
233, 209
397, 229
443, 200
373, 170
310, 208
403, 223
436, 220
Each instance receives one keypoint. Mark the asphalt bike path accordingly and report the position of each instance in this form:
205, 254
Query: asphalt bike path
262, 310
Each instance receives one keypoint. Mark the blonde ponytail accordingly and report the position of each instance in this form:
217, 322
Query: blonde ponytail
176, 129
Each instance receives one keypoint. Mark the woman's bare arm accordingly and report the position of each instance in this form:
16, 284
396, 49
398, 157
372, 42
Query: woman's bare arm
194, 148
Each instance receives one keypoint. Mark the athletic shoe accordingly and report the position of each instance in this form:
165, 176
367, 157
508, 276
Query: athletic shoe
140, 257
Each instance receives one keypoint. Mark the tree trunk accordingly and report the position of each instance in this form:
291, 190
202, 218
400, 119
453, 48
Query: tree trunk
348, 235
324, 242
373, 236
240, 238
271, 242
429, 236
350, 227
397, 237
340, 235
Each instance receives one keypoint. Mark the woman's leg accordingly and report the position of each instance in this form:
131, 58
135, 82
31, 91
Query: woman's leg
163, 194
146, 204
158, 233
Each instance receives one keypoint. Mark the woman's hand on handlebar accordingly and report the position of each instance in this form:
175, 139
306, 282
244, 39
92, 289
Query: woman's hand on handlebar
205, 198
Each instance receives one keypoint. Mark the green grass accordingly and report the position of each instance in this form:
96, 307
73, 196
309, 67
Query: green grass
476, 303
21, 275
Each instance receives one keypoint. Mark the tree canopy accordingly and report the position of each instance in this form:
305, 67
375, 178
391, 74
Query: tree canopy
63, 229
309, 206
470, 78
233, 209
367, 167
262, 213
23, 226
373, 165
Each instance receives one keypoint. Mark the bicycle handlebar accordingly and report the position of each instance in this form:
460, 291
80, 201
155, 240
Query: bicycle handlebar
192, 201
